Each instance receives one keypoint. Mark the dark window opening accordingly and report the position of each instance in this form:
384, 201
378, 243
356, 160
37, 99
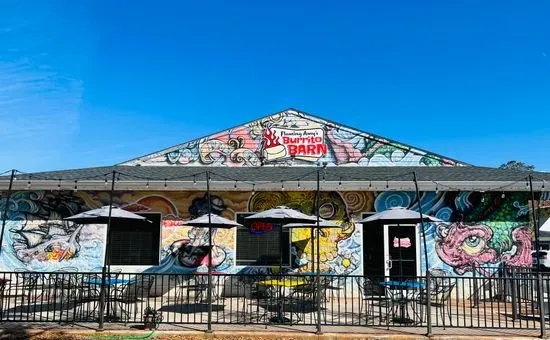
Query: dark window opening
264, 248
135, 243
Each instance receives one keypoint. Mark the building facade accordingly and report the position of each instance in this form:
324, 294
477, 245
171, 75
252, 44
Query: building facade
481, 229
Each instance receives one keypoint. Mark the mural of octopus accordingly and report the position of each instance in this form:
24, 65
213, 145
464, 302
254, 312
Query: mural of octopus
465, 247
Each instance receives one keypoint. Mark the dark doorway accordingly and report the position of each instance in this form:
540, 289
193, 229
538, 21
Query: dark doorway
373, 250
401, 251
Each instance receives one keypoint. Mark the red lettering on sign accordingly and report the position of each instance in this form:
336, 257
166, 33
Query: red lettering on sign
260, 227
310, 149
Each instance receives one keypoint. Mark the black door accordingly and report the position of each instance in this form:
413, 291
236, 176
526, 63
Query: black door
401, 251
373, 250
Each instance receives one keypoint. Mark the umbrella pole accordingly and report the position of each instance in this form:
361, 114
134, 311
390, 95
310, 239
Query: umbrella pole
6, 207
428, 300
318, 276
312, 251
400, 253
281, 250
537, 248
421, 222
106, 260
209, 291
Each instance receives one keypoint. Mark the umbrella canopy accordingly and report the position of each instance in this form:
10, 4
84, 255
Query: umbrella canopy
398, 215
215, 221
546, 226
282, 214
101, 216
313, 225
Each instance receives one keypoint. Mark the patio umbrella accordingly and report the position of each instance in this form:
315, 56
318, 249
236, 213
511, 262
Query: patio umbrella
322, 224
282, 215
211, 221
400, 215
104, 215
216, 221
545, 227
101, 216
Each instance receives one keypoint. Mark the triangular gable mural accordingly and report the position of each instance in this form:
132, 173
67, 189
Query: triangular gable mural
292, 138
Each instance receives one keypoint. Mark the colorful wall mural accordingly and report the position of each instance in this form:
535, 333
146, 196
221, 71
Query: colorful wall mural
481, 230
292, 138
36, 237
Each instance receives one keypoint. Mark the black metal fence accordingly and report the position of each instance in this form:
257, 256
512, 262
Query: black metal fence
507, 300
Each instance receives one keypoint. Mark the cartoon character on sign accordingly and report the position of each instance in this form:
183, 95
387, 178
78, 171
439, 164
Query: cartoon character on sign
273, 149
305, 144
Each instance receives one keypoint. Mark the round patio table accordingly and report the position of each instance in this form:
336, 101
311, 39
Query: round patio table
402, 298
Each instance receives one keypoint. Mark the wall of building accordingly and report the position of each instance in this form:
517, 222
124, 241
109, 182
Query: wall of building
481, 229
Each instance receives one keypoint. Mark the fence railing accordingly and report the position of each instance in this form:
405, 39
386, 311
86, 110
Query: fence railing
506, 301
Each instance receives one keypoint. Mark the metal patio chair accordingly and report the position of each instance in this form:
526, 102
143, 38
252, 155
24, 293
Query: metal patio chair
441, 287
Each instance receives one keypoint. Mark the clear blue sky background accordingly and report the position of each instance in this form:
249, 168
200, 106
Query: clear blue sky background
87, 83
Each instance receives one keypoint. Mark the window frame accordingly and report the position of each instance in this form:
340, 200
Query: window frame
237, 264
159, 245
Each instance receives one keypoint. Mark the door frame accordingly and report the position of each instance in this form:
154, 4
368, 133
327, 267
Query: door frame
387, 246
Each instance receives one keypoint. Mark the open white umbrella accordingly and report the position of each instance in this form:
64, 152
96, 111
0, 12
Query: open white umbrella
105, 215
101, 216
546, 226
215, 221
400, 215
313, 225
283, 215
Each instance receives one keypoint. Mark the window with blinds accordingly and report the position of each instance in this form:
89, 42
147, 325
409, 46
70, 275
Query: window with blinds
261, 249
135, 243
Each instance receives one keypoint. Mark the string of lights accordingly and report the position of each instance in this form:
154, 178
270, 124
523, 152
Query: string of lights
5, 172
493, 189
299, 179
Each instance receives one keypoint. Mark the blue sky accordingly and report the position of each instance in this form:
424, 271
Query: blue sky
88, 83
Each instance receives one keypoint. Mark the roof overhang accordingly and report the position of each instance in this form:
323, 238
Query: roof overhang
269, 178
290, 185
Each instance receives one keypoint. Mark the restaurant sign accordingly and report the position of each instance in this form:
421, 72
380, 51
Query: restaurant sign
260, 227
305, 144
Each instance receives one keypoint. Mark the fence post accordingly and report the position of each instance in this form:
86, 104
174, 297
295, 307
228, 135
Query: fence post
503, 282
428, 305
513, 287
476, 293
540, 293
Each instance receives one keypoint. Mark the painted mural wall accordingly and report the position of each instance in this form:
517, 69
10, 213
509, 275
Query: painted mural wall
292, 138
480, 230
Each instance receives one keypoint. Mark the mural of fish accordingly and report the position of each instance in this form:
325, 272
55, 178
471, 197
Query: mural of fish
47, 242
